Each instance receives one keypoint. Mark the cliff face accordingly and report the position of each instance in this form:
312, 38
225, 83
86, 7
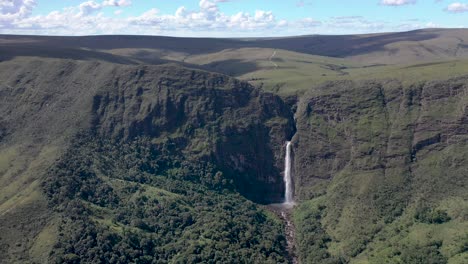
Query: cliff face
370, 152
206, 116
375, 127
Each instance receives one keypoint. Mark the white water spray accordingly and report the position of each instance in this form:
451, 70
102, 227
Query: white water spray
288, 195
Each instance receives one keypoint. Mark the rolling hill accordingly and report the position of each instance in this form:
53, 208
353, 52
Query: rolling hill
427, 54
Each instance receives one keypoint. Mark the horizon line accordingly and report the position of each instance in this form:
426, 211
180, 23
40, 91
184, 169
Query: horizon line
236, 38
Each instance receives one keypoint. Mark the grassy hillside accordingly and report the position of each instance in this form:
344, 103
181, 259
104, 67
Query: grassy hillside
388, 48
286, 66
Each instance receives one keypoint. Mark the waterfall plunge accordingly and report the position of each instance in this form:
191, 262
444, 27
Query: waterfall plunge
288, 195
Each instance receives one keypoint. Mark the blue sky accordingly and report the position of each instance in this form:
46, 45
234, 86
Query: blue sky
227, 18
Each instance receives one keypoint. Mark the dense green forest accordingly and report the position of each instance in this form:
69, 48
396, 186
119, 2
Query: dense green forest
137, 202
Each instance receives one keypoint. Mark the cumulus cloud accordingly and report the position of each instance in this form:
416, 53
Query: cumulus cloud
16, 6
457, 7
88, 8
397, 2
206, 19
86, 18
15, 9
148, 18
208, 6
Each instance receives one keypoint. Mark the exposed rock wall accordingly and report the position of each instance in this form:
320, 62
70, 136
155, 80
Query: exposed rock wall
374, 126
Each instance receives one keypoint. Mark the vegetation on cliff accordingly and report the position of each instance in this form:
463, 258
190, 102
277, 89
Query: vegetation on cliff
134, 202
381, 170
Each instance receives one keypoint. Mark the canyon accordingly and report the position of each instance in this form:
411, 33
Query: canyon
104, 158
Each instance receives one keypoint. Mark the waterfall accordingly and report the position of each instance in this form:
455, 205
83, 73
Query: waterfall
288, 195
285, 210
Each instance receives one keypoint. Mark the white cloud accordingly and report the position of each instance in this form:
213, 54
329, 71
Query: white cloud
88, 8
15, 6
261, 15
397, 2
87, 19
116, 3
11, 10
205, 20
181, 12
148, 18
457, 7
208, 6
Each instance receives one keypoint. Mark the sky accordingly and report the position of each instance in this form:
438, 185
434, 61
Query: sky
227, 18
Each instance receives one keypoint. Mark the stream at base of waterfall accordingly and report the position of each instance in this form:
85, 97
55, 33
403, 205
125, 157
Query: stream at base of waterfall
284, 211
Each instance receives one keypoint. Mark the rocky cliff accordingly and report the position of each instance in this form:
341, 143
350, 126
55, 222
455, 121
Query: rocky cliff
370, 153
206, 116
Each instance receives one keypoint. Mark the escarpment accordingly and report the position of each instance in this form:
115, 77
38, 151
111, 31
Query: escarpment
368, 153
375, 126
207, 116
